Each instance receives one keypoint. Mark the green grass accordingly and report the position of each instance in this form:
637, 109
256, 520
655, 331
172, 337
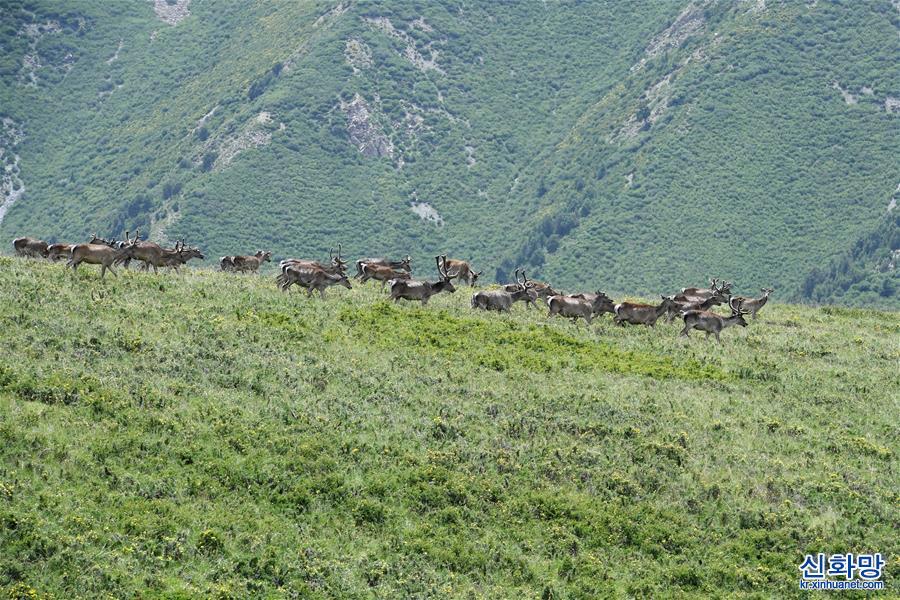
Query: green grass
206, 435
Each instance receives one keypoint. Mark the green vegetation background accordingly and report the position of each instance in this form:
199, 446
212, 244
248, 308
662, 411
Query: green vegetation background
746, 162
205, 435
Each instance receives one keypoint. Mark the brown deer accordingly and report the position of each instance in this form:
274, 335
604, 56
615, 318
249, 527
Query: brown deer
98, 254
704, 293
600, 301
502, 300
704, 301
382, 274
575, 308
312, 278
753, 305
710, 322
543, 290
404, 264
243, 264
641, 314
56, 252
409, 289
179, 256
336, 263
30, 247
460, 270
338, 266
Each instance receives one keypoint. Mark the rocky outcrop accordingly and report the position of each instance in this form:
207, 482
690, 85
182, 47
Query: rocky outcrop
365, 132
358, 55
426, 212
171, 12
410, 50
11, 185
687, 24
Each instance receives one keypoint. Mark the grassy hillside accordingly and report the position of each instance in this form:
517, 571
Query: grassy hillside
649, 146
205, 435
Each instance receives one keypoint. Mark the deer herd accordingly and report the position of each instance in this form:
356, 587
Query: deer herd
693, 305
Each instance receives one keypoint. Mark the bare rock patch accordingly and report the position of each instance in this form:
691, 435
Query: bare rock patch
365, 131
410, 51
426, 212
171, 12
688, 23
11, 185
358, 55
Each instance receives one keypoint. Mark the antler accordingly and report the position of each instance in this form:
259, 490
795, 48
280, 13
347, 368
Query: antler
525, 279
437, 261
737, 310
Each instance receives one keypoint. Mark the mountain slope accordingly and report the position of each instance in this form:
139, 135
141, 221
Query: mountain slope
631, 147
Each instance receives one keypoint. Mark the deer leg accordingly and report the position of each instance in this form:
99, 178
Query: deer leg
717, 337
322, 293
686, 332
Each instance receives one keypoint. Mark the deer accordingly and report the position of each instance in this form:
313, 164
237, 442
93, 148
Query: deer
338, 266
710, 322
704, 293
95, 239
335, 264
600, 302
382, 274
245, 263
501, 300
409, 289
180, 255
543, 290
719, 295
312, 278
404, 264
460, 270
30, 247
98, 254
641, 314
56, 252
575, 308
753, 305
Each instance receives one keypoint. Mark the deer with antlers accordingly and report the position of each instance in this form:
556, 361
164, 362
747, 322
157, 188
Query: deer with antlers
409, 289
502, 300
753, 305
704, 300
246, 263
179, 256
710, 322
704, 293
460, 270
541, 289
337, 266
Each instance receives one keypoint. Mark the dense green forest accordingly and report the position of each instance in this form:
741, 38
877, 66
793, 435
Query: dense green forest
636, 147
206, 436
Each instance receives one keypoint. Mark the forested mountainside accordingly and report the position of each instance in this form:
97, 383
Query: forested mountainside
634, 147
